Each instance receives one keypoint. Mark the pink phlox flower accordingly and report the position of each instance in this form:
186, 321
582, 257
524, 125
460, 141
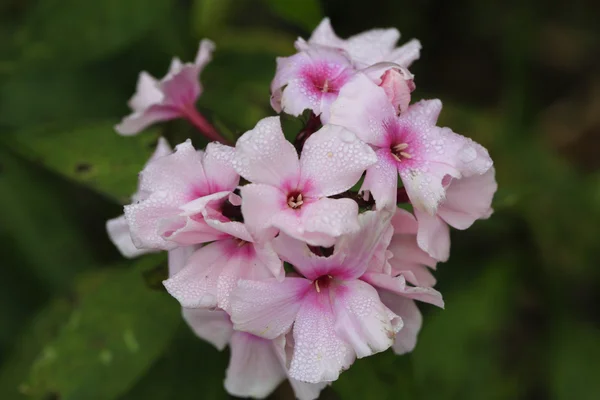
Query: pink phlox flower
334, 316
178, 190
406, 264
366, 48
291, 195
310, 79
257, 365
212, 272
425, 156
118, 229
168, 98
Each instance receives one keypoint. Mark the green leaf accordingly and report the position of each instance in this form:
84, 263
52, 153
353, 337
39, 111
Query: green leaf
113, 335
209, 16
93, 155
575, 362
190, 368
304, 13
40, 224
74, 31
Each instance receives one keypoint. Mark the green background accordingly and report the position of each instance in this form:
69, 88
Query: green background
522, 289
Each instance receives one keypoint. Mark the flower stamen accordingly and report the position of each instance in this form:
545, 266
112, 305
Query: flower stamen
399, 153
295, 201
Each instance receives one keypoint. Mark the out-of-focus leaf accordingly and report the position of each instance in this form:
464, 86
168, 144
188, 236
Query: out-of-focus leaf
118, 328
458, 352
93, 155
41, 330
50, 95
38, 220
209, 16
380, 377
575, 362
304, 13
73, 31
190, 368
257, 40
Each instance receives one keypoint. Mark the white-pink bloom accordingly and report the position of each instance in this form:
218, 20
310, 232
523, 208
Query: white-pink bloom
212, 272
407, 264
310, 79
118, 229
425, 156
291, 194
467, 200
396, 81
334, 315
366, 48
256, 366
171, 97
178, 190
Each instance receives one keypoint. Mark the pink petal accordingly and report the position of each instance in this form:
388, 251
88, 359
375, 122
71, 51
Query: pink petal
218, 167
406, 339
263, 155
362, 107
468, 199
213, 326
372, 46
324, 220
162, 149
196, 284
212, 273
146, 94
433, 236
406, 54
319, 353
118, 231
267, 308
362, 320
298, 254
178, 258
398, 286
333, 160
181, 174
140, 120
143, 219
424, 112
381, 180
324, 35
254, 367
259, 205
204, 55
181, 86
398, 84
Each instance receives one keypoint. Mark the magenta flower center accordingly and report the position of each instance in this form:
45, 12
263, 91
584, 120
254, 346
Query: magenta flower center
401, 151
323, 282
325, 77
295, 200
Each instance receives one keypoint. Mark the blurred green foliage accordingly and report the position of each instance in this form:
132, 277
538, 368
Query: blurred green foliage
521, 289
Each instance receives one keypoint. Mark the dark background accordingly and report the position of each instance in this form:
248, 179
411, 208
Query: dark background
522, 289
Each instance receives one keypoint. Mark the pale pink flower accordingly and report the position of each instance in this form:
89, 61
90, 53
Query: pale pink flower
310, 79
118, 229
335, 316
407, 264
291, 194
257, 365
174, 96
425, 156
467, 200
396, 81
178, 190
366, 48
212, 272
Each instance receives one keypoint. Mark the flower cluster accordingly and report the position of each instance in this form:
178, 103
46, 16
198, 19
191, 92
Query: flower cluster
303, 256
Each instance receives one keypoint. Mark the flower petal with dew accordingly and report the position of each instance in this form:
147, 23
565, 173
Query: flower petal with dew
366, 48
290, 195
171, 97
